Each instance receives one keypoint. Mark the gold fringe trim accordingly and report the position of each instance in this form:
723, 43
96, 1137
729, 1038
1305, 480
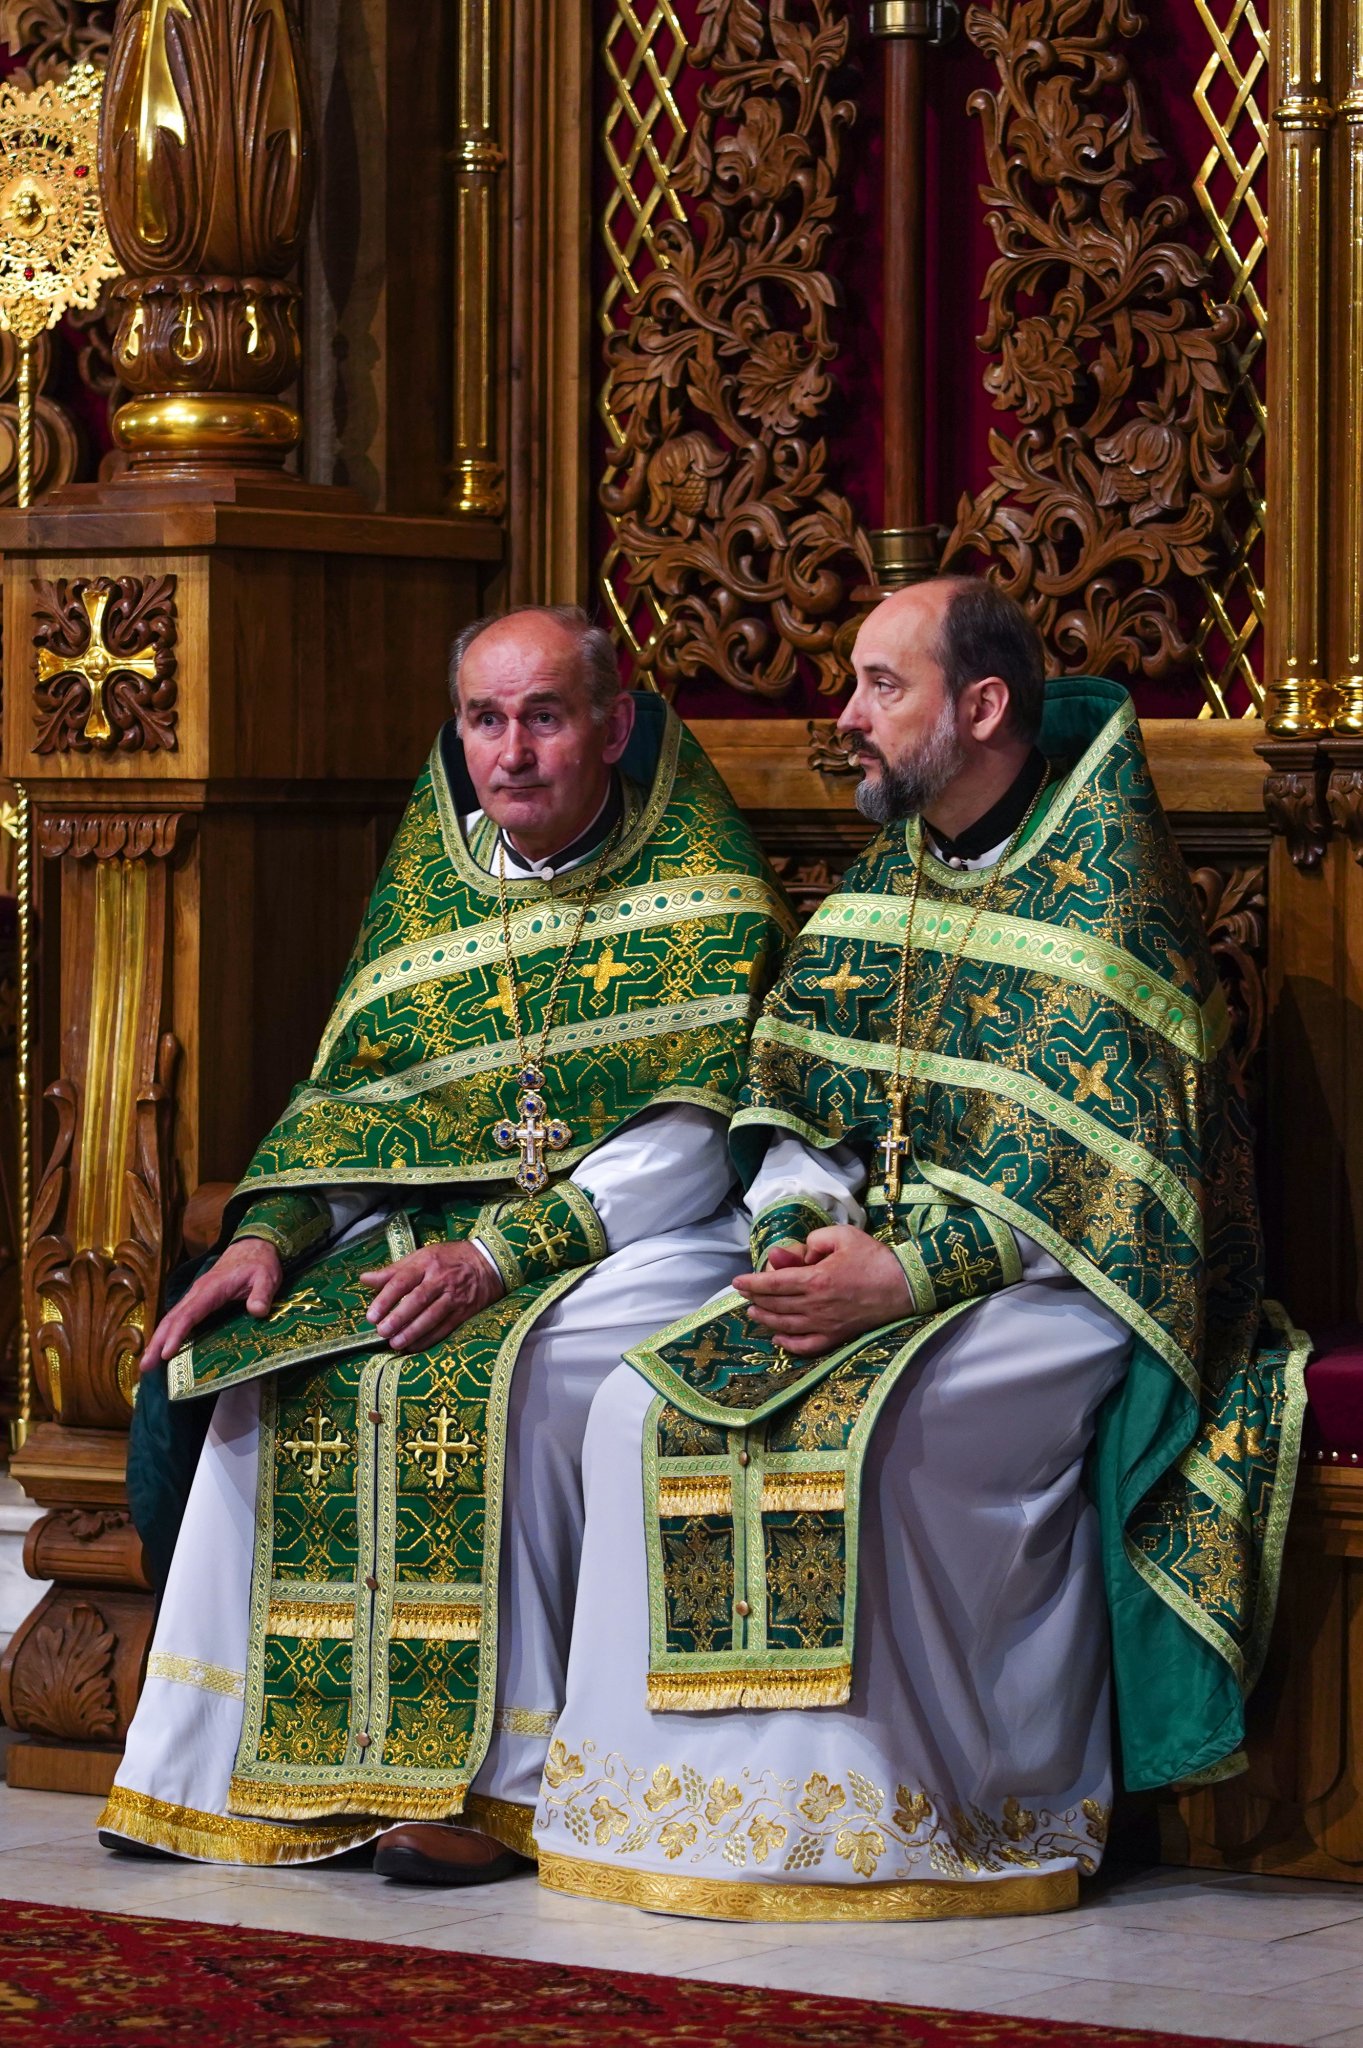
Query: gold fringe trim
817, 1490
314, 1621
354, 1796
702, 1494
436, 1624
220, 1838
718, 1692
511, 1825
706, 1898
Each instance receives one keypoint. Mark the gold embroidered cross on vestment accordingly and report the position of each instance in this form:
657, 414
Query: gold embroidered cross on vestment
316, 1448
444, 1449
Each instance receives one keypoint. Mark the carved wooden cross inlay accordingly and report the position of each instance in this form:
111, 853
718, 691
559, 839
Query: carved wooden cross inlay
535, 1133
444, 1449
95, 665
317, 1448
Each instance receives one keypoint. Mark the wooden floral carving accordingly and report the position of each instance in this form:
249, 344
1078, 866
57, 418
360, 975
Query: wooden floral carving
106, 664
1234, 905
91, 1310
1102, 349
51, 35
64, 1685
719, 485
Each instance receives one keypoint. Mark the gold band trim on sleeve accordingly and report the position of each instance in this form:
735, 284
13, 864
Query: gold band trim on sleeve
222, 1838
524, 1721
192, 1671
705, 1898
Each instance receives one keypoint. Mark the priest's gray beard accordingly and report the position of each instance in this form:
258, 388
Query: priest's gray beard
907, 786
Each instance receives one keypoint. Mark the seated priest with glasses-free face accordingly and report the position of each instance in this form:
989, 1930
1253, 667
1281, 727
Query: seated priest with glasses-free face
507, 1165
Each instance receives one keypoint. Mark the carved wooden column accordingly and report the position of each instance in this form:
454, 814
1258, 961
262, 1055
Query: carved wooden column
219, 684
479, 164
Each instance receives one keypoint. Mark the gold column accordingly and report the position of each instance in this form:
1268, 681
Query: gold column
479, 162
1297, 694
1347, 646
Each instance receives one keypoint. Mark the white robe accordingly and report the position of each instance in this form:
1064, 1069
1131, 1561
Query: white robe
970, 1771
661, 1188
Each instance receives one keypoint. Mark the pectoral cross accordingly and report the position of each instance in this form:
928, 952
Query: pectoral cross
96, 665
534, 1133
442, 1449
895, 1147
602, 971
315, 1448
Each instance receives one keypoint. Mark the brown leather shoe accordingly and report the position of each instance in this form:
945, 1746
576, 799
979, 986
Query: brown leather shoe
433, 1852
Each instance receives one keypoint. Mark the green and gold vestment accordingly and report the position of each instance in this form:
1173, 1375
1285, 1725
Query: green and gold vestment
372, 1658
1076, 1089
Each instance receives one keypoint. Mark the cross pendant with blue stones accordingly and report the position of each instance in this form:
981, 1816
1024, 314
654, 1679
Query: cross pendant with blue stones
533, 1133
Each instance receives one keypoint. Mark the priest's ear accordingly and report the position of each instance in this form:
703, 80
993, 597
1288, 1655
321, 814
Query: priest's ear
618, 724
984, 712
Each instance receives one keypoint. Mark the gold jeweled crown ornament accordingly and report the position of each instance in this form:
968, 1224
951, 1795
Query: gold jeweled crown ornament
54, 248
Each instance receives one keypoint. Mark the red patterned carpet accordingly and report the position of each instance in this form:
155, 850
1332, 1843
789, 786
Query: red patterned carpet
98, 1980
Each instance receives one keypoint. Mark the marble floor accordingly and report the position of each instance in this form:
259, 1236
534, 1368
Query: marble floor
1251, 1959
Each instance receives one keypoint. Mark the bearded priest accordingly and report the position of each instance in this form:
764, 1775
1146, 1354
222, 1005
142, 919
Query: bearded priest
508, 1165
845, 1652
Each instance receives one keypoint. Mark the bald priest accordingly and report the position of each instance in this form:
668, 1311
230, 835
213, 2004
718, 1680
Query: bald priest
999, 1413
507, 1166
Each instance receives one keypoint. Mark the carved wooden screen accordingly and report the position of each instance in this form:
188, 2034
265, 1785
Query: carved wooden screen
1095, 180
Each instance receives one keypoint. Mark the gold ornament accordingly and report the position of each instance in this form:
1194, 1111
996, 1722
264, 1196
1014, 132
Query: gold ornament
54, 249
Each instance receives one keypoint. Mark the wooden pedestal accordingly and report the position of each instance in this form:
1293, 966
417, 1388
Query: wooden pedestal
216, 706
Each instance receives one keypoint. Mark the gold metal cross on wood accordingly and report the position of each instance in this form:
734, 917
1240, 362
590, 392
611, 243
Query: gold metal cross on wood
96, 664
443, 1449
315, 1448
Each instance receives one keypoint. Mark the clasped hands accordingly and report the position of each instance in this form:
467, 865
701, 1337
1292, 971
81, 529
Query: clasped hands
841, 1283
420, 1299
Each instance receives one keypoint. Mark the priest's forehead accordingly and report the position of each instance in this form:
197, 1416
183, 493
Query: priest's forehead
903, 634
530, 657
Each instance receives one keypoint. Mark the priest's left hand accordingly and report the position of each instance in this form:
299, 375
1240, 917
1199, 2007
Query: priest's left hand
847, 1283
425, 1296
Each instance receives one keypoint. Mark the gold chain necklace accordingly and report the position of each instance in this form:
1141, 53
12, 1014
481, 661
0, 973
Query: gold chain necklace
537, 1130
895, 1146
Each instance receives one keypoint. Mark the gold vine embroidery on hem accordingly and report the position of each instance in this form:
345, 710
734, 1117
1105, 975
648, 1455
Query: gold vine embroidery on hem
767, 1824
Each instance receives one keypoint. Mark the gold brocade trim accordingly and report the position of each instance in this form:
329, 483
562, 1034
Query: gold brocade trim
524, 1721
511, 1825
191, 1671
220, 1838
433, 1623
314, 1621
707, 1898
354, 1796
700, 1493
714, 1692
786, 1491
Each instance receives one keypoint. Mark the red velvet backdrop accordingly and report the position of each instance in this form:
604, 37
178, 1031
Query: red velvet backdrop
1166, 60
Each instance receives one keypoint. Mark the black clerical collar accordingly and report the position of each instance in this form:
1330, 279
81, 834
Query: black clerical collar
577, 850
1000, 821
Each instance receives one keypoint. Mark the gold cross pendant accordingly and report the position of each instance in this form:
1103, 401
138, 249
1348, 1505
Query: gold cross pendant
894, 1147
533, 1134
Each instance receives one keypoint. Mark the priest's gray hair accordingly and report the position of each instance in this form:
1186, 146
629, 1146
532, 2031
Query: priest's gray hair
600, 666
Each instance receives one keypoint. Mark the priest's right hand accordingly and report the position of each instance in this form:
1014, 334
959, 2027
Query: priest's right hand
250, 1270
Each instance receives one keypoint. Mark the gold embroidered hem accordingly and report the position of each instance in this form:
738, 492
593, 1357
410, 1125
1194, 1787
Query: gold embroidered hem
705, 1898
222, 1838
357, 1795
511, 1825
700, 1692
